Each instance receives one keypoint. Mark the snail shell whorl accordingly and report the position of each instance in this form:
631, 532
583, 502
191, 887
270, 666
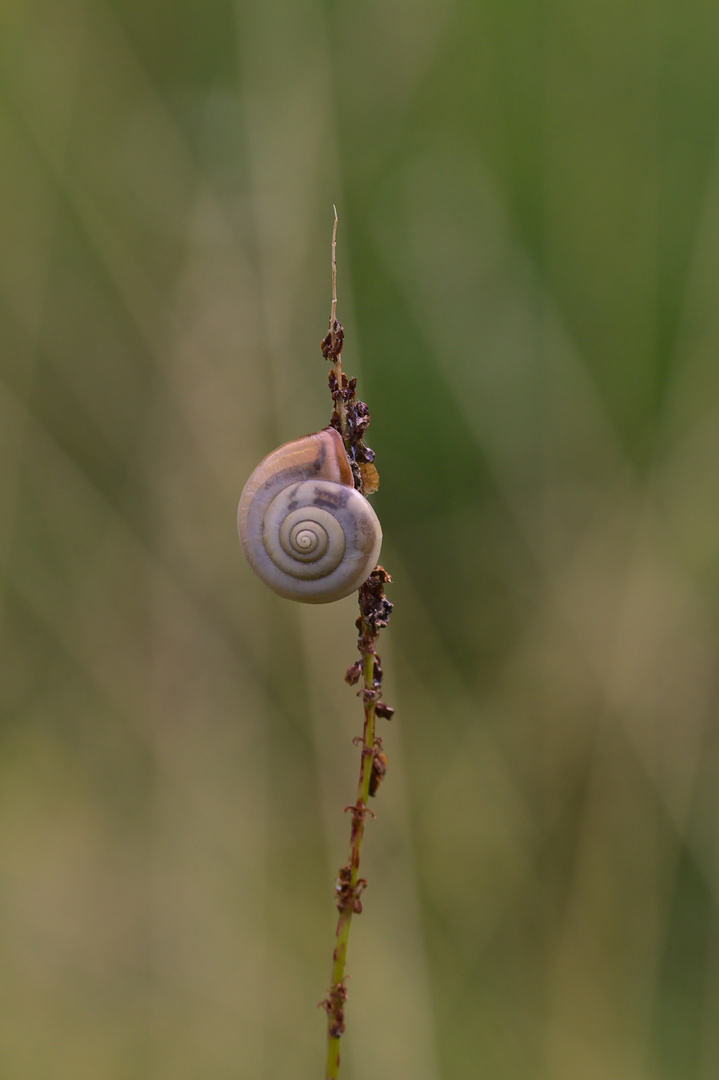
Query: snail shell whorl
304, 529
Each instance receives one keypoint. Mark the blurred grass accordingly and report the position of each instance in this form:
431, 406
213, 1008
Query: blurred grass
529, 221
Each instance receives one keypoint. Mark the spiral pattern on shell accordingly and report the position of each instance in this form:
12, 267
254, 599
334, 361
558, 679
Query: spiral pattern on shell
305, 530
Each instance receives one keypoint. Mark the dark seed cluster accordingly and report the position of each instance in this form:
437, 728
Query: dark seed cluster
334, 1007
353, 425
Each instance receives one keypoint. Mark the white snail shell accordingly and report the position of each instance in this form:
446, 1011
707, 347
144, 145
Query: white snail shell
304, 528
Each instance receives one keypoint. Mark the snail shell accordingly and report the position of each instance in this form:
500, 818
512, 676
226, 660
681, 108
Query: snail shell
304, 529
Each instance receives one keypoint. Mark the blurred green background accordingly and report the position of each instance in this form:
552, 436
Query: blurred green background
528, 196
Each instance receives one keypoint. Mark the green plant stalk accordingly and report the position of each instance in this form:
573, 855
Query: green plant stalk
337, 354
374, 613
359, 811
